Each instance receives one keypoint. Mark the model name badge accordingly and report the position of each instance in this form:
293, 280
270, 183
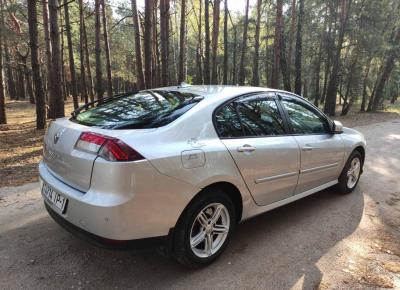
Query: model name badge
51, 155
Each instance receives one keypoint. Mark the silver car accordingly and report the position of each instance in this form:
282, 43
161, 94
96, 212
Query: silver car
182, 166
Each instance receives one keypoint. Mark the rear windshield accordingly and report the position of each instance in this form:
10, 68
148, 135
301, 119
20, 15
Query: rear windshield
146, 109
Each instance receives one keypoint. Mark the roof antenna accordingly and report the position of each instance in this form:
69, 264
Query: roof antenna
184, 85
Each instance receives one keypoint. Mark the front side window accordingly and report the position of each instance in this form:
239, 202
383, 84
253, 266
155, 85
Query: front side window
304, 119
261, 117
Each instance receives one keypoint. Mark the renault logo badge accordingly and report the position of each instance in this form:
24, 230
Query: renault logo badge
58, 135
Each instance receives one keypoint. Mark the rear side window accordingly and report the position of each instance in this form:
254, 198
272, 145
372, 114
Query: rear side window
227, 122
249, 117
261, 117
147, 109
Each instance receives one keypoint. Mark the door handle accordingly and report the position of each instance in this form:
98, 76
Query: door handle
306, 148
246, 148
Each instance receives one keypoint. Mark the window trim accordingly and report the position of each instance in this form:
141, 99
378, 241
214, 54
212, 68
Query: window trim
310, 106
262, 94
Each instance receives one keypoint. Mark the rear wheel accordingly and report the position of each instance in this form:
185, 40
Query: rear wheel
204, 229
350, 175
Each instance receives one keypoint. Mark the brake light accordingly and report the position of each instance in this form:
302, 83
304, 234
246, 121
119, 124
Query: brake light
109, 148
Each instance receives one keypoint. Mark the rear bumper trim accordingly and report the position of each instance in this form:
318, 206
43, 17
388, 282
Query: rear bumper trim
102, 242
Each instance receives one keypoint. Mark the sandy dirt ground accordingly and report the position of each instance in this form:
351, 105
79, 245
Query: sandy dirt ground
325, 241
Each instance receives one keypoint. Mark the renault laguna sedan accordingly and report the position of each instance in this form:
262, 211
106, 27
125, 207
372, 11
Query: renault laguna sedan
182, 166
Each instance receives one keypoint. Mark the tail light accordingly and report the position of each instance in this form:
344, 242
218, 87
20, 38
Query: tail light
109, 148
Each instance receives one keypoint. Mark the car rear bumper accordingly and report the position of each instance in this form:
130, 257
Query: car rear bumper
102, 242
149, 208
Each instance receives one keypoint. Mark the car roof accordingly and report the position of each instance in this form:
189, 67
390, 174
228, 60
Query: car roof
215, 92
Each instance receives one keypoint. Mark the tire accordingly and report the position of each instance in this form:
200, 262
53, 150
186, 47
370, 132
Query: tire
346, 185
189, 226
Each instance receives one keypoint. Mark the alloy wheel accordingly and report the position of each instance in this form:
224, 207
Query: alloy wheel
354, 172
209, 230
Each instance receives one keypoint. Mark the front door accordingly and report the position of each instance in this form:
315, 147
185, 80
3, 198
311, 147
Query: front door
322, 152
253, 130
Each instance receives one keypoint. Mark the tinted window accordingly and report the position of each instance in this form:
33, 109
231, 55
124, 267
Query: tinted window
304, 119
147, 109
227, 122
261, 117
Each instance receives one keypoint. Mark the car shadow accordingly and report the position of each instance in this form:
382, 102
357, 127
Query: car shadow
278, 249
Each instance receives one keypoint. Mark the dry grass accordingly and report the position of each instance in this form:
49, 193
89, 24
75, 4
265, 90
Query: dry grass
21, 143
393, 267
362, 119
356, 118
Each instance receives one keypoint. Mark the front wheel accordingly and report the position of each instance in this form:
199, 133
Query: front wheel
204, 229
350, 175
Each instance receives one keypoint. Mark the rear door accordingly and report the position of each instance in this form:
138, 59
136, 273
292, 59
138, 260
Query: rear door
253, 130
322, 152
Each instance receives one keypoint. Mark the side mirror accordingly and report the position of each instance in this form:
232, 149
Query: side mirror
337, 127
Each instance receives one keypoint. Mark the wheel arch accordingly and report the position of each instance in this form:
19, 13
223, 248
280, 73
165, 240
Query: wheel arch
361, 150
230, 189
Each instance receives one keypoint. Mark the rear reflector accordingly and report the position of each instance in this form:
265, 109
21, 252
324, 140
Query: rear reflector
109, 148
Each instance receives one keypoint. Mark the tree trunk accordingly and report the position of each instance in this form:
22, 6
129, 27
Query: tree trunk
107, 50
182, 46
395, 95
329, 43
317, 77
164, 31
226, 53
256, 75
277, 45
12, 91
199, 48
299, 49
3, 117
283, 62
71, 55
242, 73
27, 76
45, 15
215, 33
33, 42
99, 77
29, 86
64, 82
89, 70
365, 83
347, 104
174, 51
148, 42
156, 72
206, 70
387, 70
56, 100
330, 103
319, 60
290, 42
83, 89
234, 58
20, 80
138, 48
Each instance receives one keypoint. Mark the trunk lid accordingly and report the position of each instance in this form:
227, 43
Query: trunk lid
69, 165
72, 166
